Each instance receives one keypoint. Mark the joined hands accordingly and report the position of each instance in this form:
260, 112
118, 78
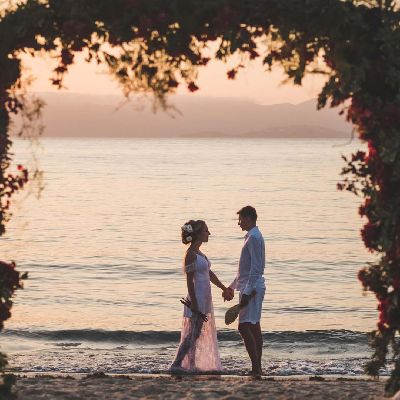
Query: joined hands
228, 294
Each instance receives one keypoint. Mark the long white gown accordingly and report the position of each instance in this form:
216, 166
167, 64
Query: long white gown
198, 348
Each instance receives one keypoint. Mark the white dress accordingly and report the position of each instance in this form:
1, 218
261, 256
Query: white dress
198, 347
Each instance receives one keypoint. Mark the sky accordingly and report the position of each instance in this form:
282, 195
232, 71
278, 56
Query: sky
252, 83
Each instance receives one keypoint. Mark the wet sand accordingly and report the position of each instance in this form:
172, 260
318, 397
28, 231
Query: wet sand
125, 387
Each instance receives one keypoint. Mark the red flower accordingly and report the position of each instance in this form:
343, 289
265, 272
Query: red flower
193, 87
20, 167
232, 74
364, 208
371, 151
370, 235
384, 307
381, 326
383, 304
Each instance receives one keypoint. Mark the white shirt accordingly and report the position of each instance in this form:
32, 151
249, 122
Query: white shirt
251, 263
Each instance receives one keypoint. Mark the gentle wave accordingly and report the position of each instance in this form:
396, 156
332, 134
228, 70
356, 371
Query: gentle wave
122, 336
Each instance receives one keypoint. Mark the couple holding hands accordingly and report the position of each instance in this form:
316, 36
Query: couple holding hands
198, 348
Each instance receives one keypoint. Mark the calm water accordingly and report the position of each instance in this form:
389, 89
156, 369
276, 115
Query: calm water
103, 250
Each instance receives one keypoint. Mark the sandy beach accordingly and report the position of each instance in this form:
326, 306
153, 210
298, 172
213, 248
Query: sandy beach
105, 387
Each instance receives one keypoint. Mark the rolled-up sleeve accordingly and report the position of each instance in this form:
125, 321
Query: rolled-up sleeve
256, 264
233, 285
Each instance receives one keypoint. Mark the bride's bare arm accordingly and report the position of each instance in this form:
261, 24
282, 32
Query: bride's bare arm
214, 279
227, 292
192, 294
190, 258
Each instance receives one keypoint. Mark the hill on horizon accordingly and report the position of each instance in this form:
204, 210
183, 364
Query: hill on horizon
80, 115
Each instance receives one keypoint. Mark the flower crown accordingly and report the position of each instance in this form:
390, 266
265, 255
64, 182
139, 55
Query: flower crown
188, 229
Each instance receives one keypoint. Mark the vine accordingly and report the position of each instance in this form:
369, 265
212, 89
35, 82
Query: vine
10, 281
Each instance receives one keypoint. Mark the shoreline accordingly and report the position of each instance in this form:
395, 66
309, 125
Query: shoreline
100, 386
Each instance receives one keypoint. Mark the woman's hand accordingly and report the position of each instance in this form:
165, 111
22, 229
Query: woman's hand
193, 309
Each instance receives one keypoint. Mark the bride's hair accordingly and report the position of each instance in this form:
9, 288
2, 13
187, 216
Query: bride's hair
191, 230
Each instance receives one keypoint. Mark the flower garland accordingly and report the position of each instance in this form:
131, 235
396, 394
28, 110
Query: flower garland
153, 47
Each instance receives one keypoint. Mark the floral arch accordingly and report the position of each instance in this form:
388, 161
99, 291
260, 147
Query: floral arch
153, 46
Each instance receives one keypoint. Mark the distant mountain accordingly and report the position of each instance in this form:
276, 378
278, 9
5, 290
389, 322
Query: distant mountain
77, 115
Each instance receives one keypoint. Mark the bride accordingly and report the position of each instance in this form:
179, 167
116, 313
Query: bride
198, 348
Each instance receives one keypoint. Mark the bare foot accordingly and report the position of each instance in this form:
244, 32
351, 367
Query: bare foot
176, 370
256, 373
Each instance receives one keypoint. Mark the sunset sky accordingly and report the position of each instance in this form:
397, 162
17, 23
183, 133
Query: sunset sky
252, 83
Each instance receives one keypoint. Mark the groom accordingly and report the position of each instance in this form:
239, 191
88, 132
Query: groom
250, 278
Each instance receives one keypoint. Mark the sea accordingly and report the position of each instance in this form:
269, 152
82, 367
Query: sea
102, 248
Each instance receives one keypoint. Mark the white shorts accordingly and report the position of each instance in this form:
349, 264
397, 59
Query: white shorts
252, 312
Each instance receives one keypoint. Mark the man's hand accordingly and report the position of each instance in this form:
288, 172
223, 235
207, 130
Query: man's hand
228, 294
244, 300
